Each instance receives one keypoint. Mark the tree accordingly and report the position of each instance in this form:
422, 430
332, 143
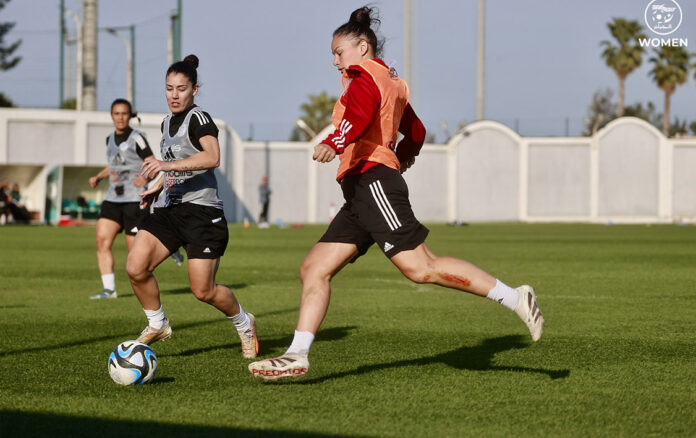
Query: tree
70, 104
692, 126
626, 56
316, 114
677, 128
648, 113
6, 60
600, 112
5, 101
670, 69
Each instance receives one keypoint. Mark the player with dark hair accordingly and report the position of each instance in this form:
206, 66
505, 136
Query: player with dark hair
126, 149
371, 111
190, 213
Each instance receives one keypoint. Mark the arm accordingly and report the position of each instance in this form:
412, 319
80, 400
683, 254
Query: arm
208, 158
140, 180
94, 180
142, 148
414, 136
362, 100
149, 195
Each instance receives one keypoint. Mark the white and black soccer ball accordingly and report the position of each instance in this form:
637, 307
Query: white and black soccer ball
132, 362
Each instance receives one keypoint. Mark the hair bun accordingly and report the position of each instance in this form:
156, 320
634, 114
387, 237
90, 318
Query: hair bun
363, 16
192, 59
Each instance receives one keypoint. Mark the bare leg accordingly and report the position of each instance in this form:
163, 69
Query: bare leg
202, 279
422, 266
145, 255
106, 233
129, 241
324, 261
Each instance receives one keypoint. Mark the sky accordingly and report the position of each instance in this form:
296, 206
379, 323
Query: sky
259, 60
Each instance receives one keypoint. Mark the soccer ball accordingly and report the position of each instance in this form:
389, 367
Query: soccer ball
132, 362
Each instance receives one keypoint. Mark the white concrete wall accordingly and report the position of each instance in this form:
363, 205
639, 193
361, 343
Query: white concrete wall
628, 172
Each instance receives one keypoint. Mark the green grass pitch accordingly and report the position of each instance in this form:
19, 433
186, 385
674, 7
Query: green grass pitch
393, 358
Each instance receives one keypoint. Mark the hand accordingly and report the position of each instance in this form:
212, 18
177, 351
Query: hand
406, 164
140, 181
93, 181
150, 168
323, 153
149, 196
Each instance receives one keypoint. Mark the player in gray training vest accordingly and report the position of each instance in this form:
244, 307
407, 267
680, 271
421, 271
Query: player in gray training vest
126, 150
189, 214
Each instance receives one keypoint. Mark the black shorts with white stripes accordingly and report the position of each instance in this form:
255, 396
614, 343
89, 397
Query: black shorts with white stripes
200, 229
128, 215
377, 209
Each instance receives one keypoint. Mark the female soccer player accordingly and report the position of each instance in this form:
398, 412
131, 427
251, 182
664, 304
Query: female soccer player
191, 214
372, 109
126, 149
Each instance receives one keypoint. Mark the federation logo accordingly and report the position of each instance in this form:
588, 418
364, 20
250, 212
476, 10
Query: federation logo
663, 17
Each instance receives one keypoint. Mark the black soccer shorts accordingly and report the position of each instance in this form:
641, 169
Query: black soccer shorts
377, 209
128, 215
201, 230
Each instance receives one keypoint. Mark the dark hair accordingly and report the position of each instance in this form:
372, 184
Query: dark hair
186, 67
121, 101
360, 25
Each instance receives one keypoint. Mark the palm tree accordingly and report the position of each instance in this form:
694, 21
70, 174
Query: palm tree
625, 57
670, 69
6, 51
316, 115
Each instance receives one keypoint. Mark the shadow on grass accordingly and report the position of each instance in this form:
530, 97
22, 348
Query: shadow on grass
98, 339
16, 423
131, 335
187, 290
267, 345
162, 380
476, 358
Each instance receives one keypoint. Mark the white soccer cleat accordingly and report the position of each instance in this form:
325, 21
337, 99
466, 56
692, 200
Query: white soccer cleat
178, 257
528, 310
150, 335
105, 294
288, 365
250, 342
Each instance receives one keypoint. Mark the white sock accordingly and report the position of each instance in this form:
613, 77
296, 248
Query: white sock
241, 320
109, 281
155, 318
504, 294
301, 343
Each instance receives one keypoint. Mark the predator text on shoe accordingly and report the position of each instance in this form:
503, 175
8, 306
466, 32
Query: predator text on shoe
289, 365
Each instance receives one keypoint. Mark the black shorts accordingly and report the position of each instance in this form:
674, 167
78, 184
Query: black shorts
376, 210
200, 229
128, 215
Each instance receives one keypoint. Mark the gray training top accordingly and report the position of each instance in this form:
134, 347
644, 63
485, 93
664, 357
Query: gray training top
194, 186
124, 164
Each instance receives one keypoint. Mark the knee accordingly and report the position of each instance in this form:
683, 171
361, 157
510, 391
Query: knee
313, 271
103, 243
203, 293
136, 269
419, 273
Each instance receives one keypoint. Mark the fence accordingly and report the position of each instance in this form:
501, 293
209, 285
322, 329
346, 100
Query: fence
627, 172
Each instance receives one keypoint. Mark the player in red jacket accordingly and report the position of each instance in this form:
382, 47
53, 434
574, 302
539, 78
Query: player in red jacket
372, 110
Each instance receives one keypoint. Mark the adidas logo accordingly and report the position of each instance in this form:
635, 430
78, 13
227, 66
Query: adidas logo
387, 246
168, 155
207, 250
134, 230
